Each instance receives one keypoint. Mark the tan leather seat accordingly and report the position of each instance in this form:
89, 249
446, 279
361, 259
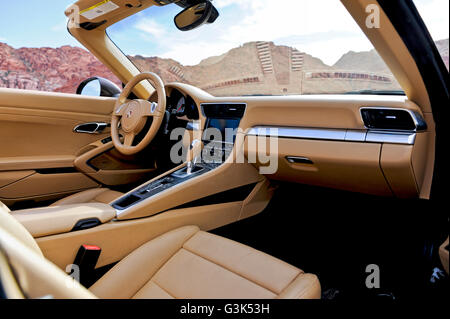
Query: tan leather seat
96, 195
183, 263
189, 263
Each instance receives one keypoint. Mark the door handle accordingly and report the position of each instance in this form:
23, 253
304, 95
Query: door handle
91, 127
298, 160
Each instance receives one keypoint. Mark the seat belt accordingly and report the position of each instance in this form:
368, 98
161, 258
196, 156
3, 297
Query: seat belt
86, 260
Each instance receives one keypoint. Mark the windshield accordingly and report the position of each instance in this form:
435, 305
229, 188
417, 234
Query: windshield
258, 47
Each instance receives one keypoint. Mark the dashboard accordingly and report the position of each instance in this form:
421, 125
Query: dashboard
371, 145
181, 105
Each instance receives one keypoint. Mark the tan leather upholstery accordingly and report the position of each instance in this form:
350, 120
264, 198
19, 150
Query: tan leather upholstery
96, 195
189, 263
46, 221
12, 226
35, 275
182, 263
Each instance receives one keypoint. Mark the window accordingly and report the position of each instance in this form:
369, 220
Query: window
37, 52
436, 17
258, 47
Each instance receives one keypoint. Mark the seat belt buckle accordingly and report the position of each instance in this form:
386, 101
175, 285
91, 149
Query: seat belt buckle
86, 260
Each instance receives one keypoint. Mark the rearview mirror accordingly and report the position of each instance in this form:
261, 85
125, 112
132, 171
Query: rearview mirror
97, 86
196, 15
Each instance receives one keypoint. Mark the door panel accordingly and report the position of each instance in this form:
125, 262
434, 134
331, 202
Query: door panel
41, 185
103, 163
59, 102
35, 162
36, 132
7, 178
41, 123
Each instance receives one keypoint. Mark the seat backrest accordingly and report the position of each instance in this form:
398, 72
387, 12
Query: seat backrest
22, 261
12, 226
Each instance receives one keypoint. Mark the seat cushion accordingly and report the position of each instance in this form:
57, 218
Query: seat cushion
189, 263
96, 195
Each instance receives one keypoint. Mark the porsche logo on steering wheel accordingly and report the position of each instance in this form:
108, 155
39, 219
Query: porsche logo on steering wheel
129, 113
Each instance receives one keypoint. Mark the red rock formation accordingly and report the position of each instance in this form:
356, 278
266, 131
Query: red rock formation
48, 69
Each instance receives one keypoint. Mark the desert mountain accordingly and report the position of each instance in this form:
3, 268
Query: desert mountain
442, 46
372, 62
253, 68
369, 61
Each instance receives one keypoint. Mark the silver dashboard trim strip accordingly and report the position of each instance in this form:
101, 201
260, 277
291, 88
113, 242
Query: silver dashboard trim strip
355, 135
298, 132
407, 138
369, 136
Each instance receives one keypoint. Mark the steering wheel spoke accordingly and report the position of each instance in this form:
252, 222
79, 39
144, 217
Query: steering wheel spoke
128, 139
120, 110
150, 109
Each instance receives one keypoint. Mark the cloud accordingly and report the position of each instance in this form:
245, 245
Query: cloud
2, 39
271, 21
435, 15
322, 28
151, 27
226, 3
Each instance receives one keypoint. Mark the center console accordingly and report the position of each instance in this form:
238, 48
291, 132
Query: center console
221, 125
222, 121
160, 185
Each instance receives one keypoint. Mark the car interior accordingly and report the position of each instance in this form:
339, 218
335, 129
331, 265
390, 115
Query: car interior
89, 181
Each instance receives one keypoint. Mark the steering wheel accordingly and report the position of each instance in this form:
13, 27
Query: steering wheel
133, 115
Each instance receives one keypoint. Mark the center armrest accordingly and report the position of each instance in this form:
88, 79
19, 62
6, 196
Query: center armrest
53, 220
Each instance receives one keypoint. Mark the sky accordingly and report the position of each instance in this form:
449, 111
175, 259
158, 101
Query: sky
322, 28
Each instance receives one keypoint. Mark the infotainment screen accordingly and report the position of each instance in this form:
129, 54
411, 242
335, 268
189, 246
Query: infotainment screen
226, 127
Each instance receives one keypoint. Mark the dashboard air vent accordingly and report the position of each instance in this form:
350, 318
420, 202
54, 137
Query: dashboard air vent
391, 119
223, 111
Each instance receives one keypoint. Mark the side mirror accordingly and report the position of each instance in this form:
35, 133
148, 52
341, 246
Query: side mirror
97, 86
196, 15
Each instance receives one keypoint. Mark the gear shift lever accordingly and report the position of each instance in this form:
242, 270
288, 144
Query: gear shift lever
193, 155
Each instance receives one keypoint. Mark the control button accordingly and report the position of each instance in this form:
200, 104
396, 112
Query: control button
106, 140
143, 191
167, 180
